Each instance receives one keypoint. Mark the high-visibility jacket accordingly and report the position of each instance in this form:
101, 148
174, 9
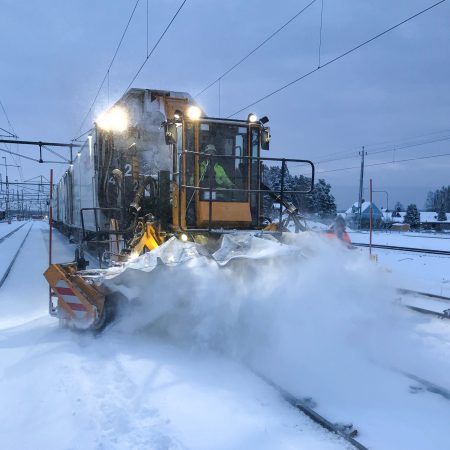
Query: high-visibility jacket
222, 179
344, 237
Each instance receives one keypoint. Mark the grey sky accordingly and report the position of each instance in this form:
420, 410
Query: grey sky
54, 55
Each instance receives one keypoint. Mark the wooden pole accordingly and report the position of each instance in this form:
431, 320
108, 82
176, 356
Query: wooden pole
371, 220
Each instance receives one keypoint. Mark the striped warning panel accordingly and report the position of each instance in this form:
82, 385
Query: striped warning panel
72, 301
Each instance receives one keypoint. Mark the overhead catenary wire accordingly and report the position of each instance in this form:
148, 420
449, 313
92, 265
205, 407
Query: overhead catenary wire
7, 119
386, 162
138, 71
337, 58
217, 80
10, 134
155, 45
14, 136
29, 158
56, 153
392, 148
106, 76
320, 32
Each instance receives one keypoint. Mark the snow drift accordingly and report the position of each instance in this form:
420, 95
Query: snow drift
308, 313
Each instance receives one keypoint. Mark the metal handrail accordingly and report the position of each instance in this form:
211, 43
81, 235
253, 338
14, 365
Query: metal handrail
210, 158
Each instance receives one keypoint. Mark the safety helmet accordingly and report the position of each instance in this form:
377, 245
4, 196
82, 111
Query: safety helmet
210, 148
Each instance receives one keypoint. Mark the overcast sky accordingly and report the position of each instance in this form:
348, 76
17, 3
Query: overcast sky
395, 90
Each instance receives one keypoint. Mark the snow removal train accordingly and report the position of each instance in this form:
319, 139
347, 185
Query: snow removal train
156, 169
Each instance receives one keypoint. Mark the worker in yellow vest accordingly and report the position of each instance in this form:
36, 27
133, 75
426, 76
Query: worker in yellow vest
222, 179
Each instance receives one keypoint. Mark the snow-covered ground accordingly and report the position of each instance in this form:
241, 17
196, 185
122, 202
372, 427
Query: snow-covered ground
417, 271
178, 370
432, 241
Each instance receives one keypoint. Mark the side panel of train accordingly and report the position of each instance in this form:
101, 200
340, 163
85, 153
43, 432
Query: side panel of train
75, 190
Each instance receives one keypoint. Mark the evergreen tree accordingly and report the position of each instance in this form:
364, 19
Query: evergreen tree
442, 216
319, 201
412, 216
323, 203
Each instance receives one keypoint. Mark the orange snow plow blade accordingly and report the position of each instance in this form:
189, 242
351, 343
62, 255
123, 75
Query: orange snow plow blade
78, 302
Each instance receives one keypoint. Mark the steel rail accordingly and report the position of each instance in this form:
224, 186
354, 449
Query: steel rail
405, 249
428, 385
6, 236
8, 269
444, 314
423, 294
313, 415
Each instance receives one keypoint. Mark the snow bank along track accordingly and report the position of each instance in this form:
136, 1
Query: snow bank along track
438, 300
405, 249
13, 260
345, 431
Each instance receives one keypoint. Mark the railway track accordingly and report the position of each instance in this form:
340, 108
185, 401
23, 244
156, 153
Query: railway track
441, 303
6, 236
428, 385
405, 249
13, 260
344, 431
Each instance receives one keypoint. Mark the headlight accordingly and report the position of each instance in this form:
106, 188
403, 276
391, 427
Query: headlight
115, 119
252, 118
194, 112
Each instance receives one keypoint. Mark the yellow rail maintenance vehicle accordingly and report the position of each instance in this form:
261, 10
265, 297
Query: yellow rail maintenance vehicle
156, 167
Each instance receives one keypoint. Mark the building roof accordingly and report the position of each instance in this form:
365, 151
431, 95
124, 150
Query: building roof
431, 217
364, 207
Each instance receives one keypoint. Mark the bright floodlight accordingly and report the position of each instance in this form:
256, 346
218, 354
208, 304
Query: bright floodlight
115, 119
252, 118
184, 237
194, 112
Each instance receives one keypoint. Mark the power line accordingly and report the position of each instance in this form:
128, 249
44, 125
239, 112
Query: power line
387, 149
394, 145
337, 58
387, 162
320, 33
156, 45
29, 158
7, 119
140, 68
110, 65
10, 134
255, 49
14, 136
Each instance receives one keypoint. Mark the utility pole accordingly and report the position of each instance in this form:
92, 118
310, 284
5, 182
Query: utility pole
361, 180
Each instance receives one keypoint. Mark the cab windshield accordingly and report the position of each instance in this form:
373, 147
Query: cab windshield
221, 166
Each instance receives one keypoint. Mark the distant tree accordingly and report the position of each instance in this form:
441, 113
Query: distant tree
323, 202
319, 201
429, 202
436, 199
397, 209
442, 216
412, 216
